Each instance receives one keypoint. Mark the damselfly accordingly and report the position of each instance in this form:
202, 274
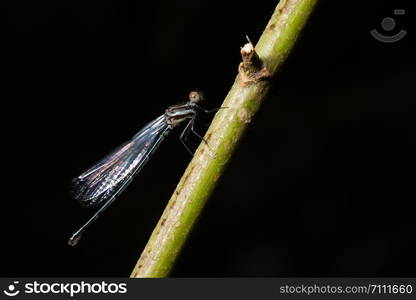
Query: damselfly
104, 181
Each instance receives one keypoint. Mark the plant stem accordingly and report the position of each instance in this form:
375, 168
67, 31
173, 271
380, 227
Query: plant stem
242, 102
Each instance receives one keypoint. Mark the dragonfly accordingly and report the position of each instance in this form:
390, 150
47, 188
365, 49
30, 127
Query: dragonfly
105, 180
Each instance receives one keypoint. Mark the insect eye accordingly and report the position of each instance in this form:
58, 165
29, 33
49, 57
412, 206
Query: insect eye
196, 96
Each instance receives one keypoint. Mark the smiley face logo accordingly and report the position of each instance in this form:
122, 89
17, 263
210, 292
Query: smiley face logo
11, 289
389, 24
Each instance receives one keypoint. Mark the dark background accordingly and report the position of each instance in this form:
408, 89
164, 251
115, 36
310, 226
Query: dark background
322, 184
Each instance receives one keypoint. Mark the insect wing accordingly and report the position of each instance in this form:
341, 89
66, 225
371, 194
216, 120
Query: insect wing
107, 178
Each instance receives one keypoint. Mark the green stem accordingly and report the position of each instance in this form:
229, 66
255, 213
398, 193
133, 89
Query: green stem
242, 102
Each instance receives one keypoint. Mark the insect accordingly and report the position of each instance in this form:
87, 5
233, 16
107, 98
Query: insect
104, 181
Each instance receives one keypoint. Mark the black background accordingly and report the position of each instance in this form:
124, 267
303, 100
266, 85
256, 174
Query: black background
322, 184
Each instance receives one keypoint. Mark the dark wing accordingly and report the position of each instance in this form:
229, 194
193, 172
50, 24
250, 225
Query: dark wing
107, 178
